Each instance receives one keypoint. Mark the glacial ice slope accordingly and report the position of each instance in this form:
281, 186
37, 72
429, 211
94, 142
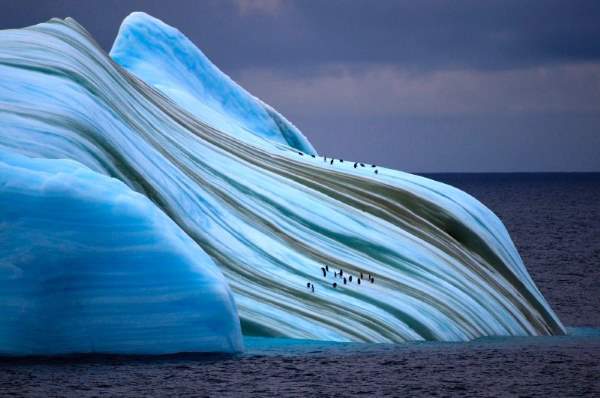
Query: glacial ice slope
89, 266
167, 60
270, 217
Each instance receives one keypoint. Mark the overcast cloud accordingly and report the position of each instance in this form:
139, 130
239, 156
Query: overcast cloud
417, 85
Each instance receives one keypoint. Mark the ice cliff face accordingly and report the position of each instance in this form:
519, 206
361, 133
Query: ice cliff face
267, 214
89, 266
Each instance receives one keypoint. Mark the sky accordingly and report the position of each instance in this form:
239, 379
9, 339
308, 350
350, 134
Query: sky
421, 86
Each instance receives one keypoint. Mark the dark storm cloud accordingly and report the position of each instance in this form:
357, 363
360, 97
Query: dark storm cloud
421, 34
472, 85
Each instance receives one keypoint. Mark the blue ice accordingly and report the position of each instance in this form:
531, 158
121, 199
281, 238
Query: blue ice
166, 59
89, 266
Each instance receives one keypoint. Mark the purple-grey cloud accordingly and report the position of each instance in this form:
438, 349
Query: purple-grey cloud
420, 85
384, 90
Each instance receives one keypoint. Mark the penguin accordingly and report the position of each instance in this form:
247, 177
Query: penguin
300, 153
308, 284
376, 172
344, 281
334, 284
359, 281
355, 165
313, 288
324, 273
331, 161
327, 268
350, 278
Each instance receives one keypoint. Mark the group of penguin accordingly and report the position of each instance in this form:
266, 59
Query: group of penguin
345, 279
356, 164
325, 269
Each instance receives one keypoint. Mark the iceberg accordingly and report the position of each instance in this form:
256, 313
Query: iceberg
269, 214
89, 266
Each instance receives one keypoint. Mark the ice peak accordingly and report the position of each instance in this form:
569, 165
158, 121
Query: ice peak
166, 59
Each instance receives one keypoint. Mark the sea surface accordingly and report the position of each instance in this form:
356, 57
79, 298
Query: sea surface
554, 220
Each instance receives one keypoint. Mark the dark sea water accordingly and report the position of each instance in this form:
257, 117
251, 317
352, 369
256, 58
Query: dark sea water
554, 220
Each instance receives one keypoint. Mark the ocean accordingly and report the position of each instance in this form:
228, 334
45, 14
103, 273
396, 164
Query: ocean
554, 220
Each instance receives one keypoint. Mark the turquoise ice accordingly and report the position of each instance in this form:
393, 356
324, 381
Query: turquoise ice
266, 213
163, 57
89, 266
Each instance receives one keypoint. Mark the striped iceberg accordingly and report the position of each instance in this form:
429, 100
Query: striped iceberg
230, 177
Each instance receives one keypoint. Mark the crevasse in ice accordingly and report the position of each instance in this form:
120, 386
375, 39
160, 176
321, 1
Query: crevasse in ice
269, 215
